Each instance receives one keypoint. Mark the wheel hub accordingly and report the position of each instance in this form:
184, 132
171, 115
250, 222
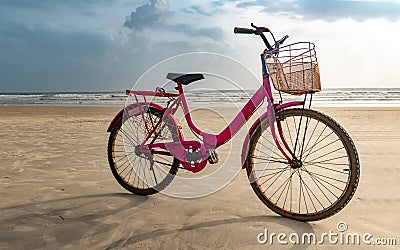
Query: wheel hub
139, 151
295, 163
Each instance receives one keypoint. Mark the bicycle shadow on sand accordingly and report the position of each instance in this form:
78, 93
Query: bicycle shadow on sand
113, 221
61, 222
173, 233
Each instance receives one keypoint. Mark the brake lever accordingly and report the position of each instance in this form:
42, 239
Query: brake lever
259, 29
283, 39
280, 41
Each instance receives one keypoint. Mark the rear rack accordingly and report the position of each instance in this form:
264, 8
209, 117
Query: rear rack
141, 102
158, 92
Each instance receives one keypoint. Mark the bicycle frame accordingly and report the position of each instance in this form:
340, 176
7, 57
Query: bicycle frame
213, 141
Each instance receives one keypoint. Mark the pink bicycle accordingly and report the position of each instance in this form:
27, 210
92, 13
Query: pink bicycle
311, 172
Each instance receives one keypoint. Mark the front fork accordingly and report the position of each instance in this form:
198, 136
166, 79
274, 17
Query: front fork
290, 156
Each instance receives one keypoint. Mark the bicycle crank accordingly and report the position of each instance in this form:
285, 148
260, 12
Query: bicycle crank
212, 156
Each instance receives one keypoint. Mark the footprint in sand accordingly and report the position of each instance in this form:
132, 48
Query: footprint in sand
18, 168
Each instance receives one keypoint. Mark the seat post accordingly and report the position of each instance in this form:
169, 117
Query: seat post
179, 88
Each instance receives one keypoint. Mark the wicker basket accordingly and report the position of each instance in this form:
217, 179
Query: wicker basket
293, 68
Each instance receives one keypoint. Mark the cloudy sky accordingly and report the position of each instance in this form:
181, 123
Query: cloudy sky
101, 45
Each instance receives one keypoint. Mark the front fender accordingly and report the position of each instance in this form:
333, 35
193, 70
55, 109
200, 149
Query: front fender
264, 119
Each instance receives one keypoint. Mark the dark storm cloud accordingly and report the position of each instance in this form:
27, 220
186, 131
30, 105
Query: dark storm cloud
196, 9
146, 15
49, 4
155, 15
48, 40
215, 33
54, 45
50, 59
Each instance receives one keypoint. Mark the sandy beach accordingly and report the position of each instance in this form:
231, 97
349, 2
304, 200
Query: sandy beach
57, 191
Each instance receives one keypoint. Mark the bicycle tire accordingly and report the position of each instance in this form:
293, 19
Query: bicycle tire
310, 170
137, 165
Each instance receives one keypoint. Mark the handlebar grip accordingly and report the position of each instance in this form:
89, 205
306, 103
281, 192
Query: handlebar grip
243, 30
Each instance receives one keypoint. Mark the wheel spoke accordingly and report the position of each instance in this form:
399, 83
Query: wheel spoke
290, 135
318, 140
289, 187
271, 159
313, 152
321, 176
272, 175
330, 169
277, 177
311, 136
331, 159
330, 152
284, 184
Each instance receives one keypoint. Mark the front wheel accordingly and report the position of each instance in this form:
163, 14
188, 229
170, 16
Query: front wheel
322, 177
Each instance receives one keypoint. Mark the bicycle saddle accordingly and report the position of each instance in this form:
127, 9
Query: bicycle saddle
184, 79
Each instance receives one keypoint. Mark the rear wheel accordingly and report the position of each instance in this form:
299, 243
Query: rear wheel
322, 177
139, 173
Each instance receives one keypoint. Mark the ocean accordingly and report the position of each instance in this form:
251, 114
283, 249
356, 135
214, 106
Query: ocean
360, 97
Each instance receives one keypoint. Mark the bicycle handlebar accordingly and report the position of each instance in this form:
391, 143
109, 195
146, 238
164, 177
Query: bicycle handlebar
260, 32
256, 30
238, 30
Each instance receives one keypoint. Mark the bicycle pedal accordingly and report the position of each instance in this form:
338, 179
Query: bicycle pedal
212, 157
